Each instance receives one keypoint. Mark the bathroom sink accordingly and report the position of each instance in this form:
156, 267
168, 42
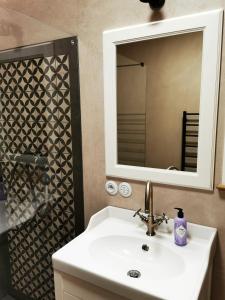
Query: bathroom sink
114, 253
126, 253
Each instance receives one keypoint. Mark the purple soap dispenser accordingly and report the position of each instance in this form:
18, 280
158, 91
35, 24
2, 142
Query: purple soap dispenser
180, 228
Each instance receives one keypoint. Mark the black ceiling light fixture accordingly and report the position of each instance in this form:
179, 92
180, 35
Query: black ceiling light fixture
154, 4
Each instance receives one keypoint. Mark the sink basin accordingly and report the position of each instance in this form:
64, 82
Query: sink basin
112, 245
126, 254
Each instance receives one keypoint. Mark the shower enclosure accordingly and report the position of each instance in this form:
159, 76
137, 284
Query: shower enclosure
41, 191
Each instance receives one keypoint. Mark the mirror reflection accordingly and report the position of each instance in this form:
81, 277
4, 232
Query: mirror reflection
158, 95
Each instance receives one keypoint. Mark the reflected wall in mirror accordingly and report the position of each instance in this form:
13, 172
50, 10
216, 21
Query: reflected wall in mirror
158, 97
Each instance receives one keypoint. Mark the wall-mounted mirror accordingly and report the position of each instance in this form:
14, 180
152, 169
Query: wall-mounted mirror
161, 92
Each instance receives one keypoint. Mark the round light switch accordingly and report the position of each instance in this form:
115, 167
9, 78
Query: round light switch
125, 189
111, 187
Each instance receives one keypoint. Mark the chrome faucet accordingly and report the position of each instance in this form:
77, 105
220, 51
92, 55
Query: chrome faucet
148, 216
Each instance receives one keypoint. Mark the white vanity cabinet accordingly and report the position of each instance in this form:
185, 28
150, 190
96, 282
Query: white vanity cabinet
72, 288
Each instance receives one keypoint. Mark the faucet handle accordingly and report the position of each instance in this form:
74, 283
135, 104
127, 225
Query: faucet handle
137, 213
141, 216
160, 219
165, 218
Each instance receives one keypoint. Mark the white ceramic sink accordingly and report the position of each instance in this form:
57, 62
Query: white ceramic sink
112, 245
126, 253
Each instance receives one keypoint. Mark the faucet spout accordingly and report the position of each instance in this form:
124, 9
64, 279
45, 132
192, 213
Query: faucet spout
149, 198
148, 218
149, 208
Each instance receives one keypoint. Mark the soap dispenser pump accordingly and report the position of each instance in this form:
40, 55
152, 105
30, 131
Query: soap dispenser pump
180, 228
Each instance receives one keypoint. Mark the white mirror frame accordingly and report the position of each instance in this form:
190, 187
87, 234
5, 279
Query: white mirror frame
211, 25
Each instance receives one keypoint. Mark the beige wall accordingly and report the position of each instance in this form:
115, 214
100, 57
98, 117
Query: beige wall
27, 22
59, 20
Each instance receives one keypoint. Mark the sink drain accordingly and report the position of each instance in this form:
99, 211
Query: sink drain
134, 273
145, 247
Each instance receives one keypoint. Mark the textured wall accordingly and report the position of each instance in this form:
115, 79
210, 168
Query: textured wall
95, 16
28, 22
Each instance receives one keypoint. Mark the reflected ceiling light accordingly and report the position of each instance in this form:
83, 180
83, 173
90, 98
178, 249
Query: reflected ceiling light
154, 4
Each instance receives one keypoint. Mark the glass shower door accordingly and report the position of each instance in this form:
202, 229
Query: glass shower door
41, 197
